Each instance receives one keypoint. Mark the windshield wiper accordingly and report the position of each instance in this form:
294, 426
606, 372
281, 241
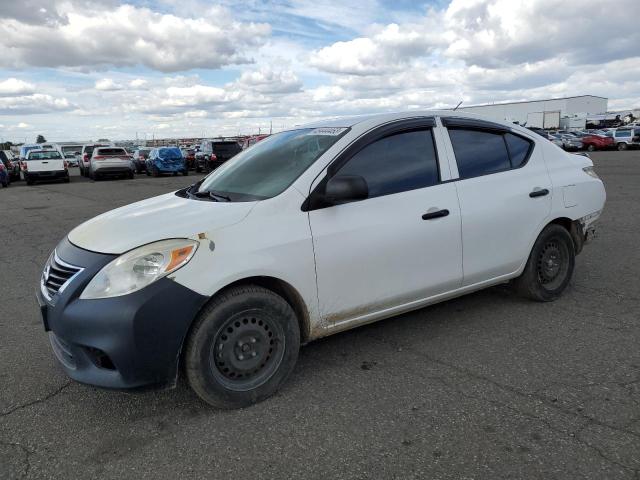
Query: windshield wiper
219, 195
212, 196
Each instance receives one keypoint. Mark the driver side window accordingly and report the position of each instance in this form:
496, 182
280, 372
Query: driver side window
397, 163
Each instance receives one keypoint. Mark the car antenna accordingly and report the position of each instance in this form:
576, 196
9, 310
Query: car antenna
460, 103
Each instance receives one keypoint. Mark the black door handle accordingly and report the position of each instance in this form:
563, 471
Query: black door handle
437, 214
539, 193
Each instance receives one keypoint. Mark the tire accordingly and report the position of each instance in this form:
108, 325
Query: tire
256, 336
66, 180
590, 148
5, 184
156, 172
185, 173
549, 267
622, 146
130, 176
29, 181
198, 169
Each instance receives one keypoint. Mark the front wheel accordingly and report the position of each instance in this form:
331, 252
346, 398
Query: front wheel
591, 148
242, 348
622, 146
550, 265
185, 172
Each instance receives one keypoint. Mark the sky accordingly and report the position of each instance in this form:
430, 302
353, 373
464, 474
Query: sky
89, 69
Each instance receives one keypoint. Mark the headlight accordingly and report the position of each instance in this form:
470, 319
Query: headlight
140, 267
591, 172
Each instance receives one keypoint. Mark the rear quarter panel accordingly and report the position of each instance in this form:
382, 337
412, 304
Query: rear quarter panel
575, 194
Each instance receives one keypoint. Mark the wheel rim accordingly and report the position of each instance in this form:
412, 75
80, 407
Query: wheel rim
247, 350
553, 264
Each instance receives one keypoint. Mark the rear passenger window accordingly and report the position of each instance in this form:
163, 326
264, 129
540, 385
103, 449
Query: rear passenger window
478, 152
400, 162
518, 149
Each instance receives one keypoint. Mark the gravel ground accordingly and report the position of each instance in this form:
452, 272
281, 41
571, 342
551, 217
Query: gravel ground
485, 386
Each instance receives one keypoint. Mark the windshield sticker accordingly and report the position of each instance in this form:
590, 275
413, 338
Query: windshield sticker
329, 131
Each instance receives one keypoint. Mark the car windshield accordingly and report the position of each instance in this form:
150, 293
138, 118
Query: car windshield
269, 167
44, 155
170, 153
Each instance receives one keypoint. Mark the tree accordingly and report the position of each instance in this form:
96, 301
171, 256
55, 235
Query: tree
41, 139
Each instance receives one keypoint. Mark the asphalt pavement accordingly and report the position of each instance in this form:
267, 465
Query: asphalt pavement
486, 386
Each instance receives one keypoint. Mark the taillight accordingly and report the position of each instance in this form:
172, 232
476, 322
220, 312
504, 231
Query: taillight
24, 166
85, 157
66, 165
213, 157
99, 157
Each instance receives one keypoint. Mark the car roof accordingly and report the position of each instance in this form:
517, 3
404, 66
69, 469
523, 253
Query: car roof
388, 117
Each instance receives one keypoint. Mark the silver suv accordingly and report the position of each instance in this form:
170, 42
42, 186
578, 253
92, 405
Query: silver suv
625, 137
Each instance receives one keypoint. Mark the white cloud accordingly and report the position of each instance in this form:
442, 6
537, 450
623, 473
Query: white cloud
267, 80
30, 104
138, 83
12, 87
23, 125
108, 85
125, 36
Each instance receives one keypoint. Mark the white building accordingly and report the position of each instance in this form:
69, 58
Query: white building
542, 113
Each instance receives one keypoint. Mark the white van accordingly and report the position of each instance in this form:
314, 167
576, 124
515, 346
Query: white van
310, 232
44, 165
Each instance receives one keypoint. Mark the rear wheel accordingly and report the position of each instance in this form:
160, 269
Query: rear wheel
185, 172
550, 265
242, 348
590, 147
622, 146
156, 172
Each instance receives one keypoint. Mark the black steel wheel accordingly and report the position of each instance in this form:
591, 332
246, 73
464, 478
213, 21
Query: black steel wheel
242, 347
550, 265
247, 350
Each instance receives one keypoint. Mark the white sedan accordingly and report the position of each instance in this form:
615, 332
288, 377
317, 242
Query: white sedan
309, 232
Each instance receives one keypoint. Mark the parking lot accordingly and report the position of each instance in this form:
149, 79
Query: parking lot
484, 386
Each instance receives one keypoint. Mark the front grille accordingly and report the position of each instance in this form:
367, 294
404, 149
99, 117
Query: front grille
57, 274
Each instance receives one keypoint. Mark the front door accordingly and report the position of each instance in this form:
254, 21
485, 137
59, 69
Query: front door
401, 244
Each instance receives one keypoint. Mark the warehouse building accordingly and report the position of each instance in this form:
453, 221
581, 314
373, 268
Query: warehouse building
542, 113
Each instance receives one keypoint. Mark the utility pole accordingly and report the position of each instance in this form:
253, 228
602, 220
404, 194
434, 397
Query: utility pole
270, 127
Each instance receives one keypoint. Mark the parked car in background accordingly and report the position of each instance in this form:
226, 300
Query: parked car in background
166, 160
84, 159
5, 180
625, 138
140, 159
189, 155
11, 163
110, 162
252, 140
44, 165
214, 153
597, 142
71, 154
223, 281
569, 142
24, 149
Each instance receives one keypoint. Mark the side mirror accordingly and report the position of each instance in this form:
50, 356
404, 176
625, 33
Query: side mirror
346, 188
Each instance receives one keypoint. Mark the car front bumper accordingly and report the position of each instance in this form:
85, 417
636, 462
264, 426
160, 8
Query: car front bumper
128, 341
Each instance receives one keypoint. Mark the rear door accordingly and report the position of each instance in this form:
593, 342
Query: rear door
400, 245
505, 196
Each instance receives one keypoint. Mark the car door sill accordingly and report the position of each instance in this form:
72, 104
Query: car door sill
413, 305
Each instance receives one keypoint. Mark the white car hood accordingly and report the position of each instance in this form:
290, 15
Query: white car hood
158, 218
